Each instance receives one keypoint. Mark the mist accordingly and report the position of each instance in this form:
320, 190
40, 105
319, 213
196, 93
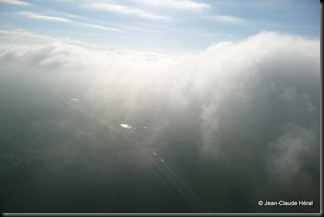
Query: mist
246, 114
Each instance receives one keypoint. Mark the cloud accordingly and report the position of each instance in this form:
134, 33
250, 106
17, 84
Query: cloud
64, 20
255, 105
96, 26
288, 151
22, 35
227, 19
126, 10
42, 17
15, 2
179, 4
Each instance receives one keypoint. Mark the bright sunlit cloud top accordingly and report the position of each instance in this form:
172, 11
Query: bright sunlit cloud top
160, 25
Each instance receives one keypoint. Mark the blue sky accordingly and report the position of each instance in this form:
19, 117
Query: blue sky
174, 26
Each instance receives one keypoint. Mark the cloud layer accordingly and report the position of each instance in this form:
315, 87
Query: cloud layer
255, 103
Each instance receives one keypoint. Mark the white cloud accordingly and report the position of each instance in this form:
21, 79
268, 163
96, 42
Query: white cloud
227, 19
255, 103
97, 26
236, 95
15, 2
42, 17
178, 4
23, 36
64, 20
126, 10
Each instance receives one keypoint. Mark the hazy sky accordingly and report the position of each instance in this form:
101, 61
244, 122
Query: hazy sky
174, 26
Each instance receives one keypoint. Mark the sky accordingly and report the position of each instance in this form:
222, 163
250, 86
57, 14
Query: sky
172, 26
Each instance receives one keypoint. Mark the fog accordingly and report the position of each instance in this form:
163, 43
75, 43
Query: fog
247, 113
